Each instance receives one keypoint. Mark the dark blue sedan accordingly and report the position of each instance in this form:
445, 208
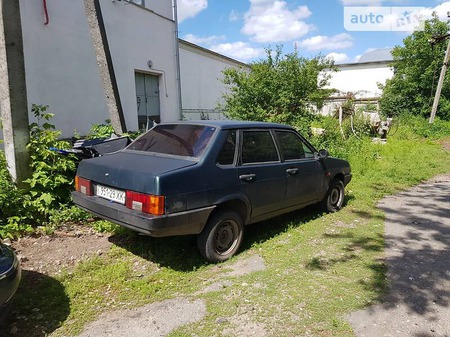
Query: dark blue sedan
210, 178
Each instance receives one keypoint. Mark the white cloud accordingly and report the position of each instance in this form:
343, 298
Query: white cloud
207, 40
441, 11
363, 2
315, 43
190, 8
271, 21
367, 51
234, 16
242, 51
338, 57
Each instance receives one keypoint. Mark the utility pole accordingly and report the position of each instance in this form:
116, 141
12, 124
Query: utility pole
13, 92
440, 83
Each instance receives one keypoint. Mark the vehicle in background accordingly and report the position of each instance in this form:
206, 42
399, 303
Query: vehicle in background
10, 274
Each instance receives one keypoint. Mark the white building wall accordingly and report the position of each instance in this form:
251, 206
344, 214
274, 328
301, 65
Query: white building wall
201, 81
160, 7
60, 65
135, 36
361, 79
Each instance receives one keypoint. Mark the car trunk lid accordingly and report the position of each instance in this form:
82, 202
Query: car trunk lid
131, 170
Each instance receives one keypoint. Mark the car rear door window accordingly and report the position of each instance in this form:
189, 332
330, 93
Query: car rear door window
227, 152
258, 147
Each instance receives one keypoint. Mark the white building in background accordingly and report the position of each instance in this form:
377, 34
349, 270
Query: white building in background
362, 77
201, 80
360, 80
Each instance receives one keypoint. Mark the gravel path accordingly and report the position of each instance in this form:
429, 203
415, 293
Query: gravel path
417, 232
159, 319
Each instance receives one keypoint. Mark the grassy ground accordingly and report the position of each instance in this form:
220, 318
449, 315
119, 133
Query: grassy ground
319, 267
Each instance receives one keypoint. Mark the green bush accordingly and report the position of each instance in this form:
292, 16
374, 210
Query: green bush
417, 126
49, 185
52, 174
13, 215
340, 143
11, 197
279, 89
101, 130
47, 201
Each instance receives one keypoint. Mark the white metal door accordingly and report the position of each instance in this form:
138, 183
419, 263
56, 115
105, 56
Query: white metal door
148, 104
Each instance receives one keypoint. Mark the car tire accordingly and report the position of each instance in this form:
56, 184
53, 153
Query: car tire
334, 199
221, 237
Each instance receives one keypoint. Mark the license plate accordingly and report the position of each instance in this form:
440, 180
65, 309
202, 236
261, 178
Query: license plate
110, 194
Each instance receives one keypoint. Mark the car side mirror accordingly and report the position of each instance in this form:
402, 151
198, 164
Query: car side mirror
323, 154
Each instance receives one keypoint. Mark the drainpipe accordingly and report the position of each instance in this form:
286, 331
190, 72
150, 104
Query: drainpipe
177, 57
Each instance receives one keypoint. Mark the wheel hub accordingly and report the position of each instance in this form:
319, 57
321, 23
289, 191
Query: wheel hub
225, 238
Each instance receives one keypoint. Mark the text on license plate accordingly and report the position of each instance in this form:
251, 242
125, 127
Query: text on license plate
110, 194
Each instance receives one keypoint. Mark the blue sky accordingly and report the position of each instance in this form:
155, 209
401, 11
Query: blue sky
241, 29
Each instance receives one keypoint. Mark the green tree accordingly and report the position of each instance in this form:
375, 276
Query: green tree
281, 89
417, 65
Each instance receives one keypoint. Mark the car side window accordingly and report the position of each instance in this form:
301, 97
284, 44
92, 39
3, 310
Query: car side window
292, 147
308, 152
226, 154
258, 147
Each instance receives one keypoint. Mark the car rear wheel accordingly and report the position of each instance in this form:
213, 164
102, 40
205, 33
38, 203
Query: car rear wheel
334, 199
221, 237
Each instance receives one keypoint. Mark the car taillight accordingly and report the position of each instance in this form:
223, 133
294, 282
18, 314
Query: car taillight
153, 204
83, 185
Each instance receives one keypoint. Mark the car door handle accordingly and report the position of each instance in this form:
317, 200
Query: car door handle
292, 171
247, 177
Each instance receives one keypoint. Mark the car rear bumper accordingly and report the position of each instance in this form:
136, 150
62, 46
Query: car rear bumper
180, 223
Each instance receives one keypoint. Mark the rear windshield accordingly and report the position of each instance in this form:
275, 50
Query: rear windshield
175, 139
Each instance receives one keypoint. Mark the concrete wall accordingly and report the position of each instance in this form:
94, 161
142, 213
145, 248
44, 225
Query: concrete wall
61, 64
201, 85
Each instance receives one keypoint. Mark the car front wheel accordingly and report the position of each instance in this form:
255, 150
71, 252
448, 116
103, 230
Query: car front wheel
221, 237
334, 199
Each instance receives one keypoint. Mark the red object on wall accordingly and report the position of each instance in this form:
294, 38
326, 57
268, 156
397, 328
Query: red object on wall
47, 20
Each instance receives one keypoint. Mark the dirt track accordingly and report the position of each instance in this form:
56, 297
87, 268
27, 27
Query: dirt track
417, 232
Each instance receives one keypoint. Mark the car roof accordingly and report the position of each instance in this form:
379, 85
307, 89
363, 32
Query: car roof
233, 124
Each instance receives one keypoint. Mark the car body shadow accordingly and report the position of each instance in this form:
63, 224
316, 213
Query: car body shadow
38, 308
180, 252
